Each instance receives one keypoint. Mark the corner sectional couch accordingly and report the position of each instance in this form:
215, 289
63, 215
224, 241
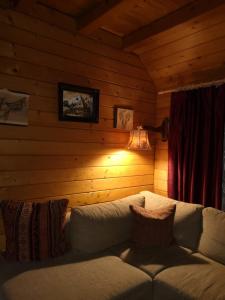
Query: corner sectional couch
103, 265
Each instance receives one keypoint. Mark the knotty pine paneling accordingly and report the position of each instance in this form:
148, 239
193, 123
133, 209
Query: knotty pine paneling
161, 148
187, 54
86, 163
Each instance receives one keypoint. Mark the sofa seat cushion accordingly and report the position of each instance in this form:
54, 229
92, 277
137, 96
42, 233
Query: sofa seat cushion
151, 260
212, 242
9, 270
196, 278
187, 221
104, 278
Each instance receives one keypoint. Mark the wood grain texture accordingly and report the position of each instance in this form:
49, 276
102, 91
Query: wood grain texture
186, 45
50, 159
96, 18
118, 18
173, 19
72, 7
161, 148
134, 14
190, 53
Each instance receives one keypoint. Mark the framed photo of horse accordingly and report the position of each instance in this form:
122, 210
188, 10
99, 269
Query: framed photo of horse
13, 108
78, 104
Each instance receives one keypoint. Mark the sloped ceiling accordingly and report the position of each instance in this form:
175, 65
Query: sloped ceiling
180, 42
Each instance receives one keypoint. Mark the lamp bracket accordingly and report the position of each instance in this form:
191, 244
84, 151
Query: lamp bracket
163, 129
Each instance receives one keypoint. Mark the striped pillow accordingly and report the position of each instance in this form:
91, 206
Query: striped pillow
34, 230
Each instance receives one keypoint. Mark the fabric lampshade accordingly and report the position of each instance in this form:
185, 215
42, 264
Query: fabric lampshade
139, 139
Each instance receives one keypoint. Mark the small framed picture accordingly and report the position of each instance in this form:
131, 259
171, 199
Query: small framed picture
13, 108
78, 104
123, 118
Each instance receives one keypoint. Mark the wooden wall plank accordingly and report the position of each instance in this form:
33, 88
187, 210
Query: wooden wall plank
46, 29
161, 148
63, 188
181, 15
50, 159
190, 53
195, 25
73, 53
200, 42
86, 173
31, 162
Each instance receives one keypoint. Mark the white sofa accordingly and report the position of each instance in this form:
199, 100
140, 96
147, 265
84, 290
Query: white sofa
103, 265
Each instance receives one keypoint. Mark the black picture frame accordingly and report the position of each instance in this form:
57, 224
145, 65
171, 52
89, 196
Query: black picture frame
78, 104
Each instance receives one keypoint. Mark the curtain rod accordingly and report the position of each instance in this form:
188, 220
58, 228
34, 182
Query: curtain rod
193, 86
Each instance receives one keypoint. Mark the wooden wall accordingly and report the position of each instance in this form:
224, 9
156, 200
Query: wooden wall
190, 53
161, 148
49, 159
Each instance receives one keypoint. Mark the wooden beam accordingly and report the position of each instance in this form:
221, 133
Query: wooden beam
97, 17
181, 15
7, 4
63, 21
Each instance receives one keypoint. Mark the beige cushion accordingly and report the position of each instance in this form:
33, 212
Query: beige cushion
151, 260
195, 278
99, 226
212, 242
187, 222
104, 278
9, 270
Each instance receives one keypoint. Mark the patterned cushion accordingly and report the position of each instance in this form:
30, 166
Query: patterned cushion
153, 228
34, 231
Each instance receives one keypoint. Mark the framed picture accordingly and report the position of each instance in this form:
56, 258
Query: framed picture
123, 118
13, 108
79, 104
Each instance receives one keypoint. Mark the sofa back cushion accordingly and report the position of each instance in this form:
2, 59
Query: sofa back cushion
97, 227
187, 221
212, 242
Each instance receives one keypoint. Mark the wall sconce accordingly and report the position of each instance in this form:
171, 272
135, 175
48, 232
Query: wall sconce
139, 137
163, 129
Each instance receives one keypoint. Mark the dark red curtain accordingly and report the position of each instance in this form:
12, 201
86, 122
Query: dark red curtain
196, 146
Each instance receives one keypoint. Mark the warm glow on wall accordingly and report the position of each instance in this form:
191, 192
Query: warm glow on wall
119, 155
139, 139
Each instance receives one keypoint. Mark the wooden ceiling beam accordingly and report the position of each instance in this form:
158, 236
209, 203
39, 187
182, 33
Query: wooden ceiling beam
7, 4
181, 15
97, 17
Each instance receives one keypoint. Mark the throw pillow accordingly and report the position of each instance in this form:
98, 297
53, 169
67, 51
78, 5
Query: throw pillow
153, 227
34, 230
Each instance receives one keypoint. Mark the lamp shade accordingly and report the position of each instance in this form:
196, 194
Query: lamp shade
139, 139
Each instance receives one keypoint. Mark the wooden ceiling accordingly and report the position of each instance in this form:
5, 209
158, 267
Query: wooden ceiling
71, 7
134, 14
190, 53
179, 41
122, 17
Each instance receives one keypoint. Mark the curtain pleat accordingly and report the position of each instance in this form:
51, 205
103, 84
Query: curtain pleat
195, 146
223, 183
